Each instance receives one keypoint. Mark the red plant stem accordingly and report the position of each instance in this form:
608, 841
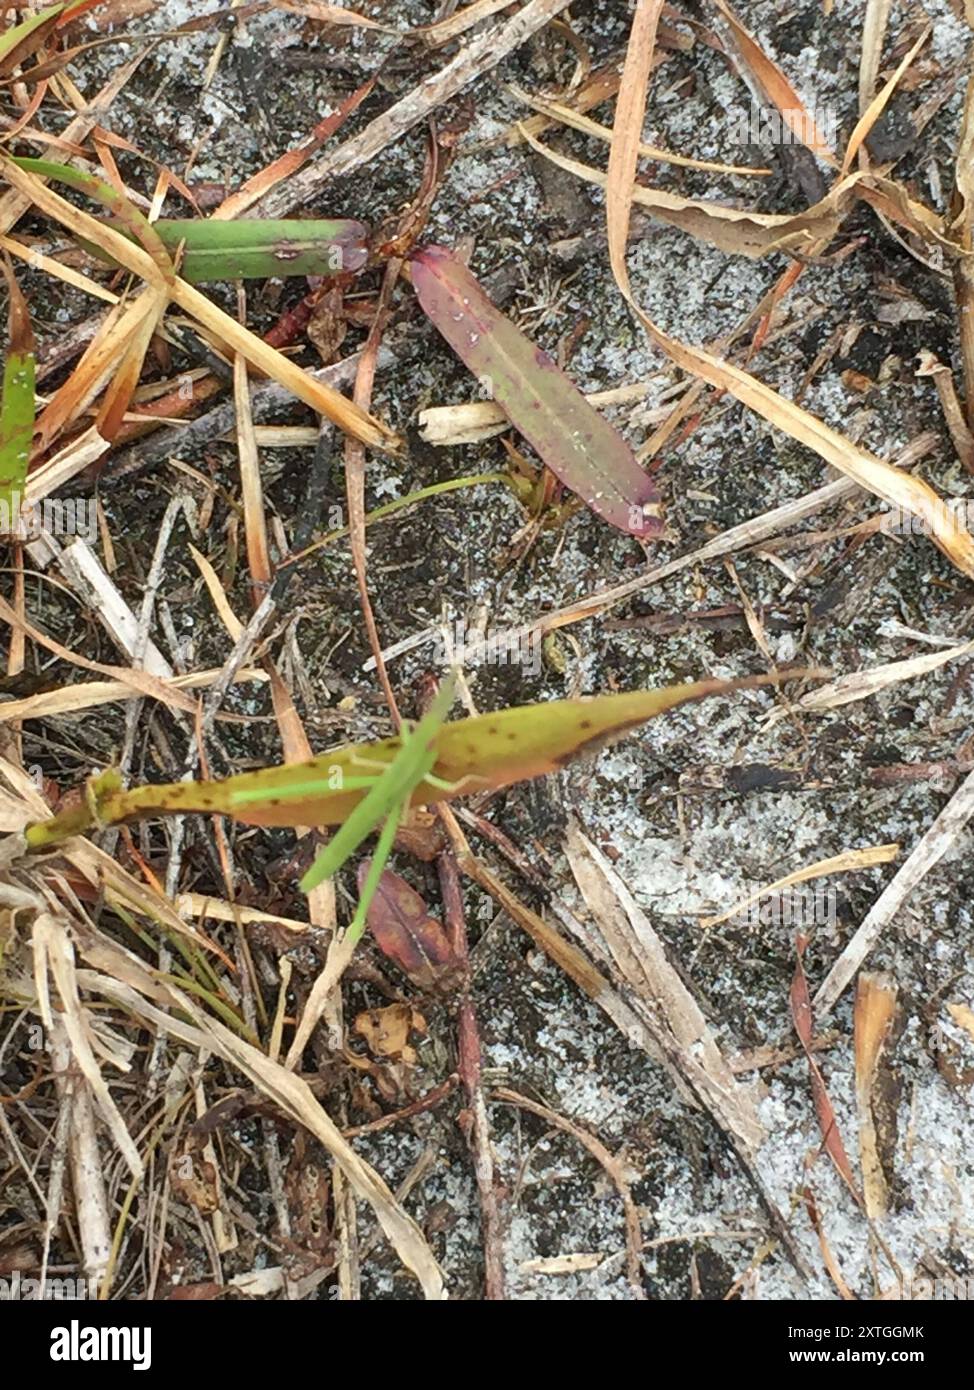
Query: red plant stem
474, 1120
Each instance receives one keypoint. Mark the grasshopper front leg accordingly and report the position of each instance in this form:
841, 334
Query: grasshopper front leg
379, 860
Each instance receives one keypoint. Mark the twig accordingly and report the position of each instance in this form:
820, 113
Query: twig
477, 1119
470, 63
612, 1166
265, 397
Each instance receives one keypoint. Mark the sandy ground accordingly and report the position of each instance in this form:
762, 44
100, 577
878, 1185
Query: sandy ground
698, 807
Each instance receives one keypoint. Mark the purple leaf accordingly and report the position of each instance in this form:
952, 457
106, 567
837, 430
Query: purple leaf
577, 443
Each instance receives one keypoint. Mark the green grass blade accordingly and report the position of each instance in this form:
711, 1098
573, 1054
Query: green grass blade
20, 41
17, 409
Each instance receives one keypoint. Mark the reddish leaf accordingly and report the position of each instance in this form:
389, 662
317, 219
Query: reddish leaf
406, 933
801, 1012
577, 443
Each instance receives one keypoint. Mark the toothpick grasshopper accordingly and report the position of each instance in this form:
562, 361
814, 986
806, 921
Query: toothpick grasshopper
388, 800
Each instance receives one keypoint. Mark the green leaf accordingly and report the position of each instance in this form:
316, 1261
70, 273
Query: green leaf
256, 248
17, 409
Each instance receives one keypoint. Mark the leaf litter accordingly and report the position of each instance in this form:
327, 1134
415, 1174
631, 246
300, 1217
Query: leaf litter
671, 863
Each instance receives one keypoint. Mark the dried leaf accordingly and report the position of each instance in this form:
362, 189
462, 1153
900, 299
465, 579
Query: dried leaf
386, 1031
801, 1012
405, 932
737, 231
873, 1017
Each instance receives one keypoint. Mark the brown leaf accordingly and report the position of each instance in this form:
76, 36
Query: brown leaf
874, 1013
194, 1179
801, 1012
307, 1190
406, 933
327, 326
738, 231
386, 1031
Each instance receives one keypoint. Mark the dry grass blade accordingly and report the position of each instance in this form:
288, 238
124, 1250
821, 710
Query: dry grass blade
901, 491
873, 33
446, 30
878, 104
837, 864
627, 132
85, 695
801, 1012
613, 1167
773, 85
874, 1013
641, 960
940, 838
54, 953
133, 984
861, 684
84, 1156
735, 231
478, 57
566, 115
120, 327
